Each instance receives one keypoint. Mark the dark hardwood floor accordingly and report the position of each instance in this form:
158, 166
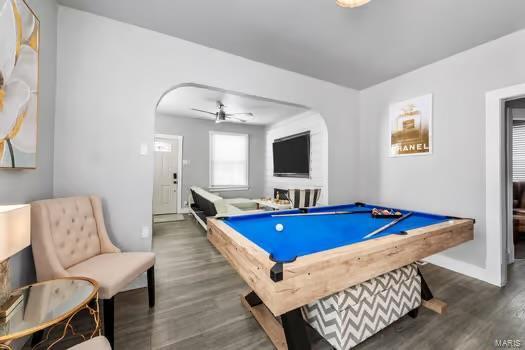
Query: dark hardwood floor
198, 305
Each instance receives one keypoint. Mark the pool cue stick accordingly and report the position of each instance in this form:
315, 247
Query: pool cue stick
381, 229
323, 213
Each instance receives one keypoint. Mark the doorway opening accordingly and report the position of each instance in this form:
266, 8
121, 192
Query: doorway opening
498, 187
231, 179
167, 178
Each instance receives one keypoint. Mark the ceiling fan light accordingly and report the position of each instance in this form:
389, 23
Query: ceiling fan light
351, 3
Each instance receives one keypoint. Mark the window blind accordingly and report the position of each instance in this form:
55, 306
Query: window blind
518, 150
228, 160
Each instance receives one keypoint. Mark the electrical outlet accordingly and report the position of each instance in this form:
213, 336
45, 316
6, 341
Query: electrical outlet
145, 232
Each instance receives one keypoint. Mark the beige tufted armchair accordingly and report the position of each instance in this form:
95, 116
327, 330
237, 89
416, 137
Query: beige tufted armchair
69, 238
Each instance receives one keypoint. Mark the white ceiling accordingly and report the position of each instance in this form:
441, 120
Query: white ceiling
351, 47
179, 103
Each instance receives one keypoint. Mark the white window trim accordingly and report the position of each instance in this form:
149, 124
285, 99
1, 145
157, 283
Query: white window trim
247, 172
227, 188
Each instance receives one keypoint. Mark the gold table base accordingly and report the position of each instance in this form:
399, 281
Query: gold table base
67, 324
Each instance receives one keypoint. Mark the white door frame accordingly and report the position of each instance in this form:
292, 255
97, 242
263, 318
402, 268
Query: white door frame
179, 166
496, 214
508, 209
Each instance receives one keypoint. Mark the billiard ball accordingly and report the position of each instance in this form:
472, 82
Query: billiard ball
279, 227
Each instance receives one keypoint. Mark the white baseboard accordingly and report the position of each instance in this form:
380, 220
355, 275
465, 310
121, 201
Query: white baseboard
463, 268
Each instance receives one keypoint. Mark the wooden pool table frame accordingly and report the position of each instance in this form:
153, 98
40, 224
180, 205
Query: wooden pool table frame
318, 275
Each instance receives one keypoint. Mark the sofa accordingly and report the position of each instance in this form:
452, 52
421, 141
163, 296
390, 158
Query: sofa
205, 204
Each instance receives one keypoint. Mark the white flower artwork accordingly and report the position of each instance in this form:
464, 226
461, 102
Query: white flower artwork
19, 40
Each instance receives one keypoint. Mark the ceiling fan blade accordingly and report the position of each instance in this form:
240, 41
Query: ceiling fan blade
238, 119
248, 114
200, 110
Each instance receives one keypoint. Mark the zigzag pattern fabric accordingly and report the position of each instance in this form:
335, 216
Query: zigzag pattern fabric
367, 289
345, 328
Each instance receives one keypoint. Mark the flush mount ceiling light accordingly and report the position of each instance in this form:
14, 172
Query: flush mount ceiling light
351, 3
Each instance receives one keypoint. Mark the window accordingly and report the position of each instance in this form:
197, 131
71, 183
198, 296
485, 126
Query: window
162, 146
228, 160
518, 150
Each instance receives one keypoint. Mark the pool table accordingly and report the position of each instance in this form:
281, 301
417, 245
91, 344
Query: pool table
294, 257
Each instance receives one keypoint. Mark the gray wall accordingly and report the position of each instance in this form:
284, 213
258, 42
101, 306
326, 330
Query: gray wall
452, 179
196, 150
24, 186
109, 85
109, 80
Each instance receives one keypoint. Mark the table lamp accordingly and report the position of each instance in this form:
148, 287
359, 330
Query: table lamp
15, 235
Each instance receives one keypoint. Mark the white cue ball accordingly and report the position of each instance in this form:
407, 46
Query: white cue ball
279, 227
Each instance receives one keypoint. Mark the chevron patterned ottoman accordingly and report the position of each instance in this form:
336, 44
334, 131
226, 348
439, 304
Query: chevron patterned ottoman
347, 318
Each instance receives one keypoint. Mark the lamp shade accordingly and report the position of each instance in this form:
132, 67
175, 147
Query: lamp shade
351, 3
15, 229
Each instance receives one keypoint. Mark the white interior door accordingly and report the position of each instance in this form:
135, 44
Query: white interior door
166, 176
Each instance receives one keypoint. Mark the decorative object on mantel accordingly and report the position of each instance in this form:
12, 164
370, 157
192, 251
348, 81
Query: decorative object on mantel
15, 235
351, 3
19, 53
411, 127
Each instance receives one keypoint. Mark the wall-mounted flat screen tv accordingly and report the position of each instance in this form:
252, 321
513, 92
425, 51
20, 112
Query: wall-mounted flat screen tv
291, 156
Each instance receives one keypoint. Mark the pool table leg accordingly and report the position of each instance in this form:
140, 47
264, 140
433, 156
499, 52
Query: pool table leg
426, 294
253, 299
295, 330
292, 323
413, 313
428, 300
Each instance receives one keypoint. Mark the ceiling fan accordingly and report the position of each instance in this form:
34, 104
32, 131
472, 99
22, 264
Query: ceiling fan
221, 115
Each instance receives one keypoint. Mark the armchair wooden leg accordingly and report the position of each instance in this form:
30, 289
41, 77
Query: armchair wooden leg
151, 286
37, 338
109, 316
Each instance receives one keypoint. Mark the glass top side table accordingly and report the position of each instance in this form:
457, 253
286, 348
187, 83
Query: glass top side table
50, 304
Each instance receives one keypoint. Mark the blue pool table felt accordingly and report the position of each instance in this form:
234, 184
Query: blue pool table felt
304, 235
